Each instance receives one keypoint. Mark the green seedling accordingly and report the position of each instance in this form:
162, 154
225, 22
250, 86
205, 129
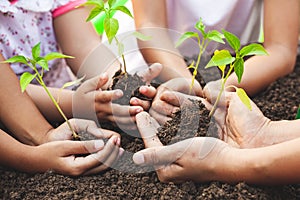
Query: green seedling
223, 58
26, 78
111, 24
207, 37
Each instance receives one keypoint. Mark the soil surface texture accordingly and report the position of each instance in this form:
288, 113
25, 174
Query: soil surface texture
126, 181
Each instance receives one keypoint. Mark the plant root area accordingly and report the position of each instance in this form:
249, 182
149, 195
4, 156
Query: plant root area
278, 101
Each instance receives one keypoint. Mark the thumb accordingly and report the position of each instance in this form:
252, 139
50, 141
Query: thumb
83, 147
150, 73
94, 83
147, 127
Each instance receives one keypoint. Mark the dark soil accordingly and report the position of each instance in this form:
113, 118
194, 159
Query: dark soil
279, 101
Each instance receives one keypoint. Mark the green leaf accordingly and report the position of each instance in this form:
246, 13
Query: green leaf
244, 97
220, 58
111, 27
201, 27
36, 51
232, 40
185, 36
56, 55
94, 13
253, 49
43, 63
215, 36
111, 3
298, 113
25, 79
141, 36
239, 68
16, 59
124, 10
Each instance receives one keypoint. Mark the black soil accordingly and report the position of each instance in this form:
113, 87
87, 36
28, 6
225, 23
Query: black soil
279, 101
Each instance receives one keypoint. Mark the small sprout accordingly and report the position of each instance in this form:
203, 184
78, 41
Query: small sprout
27, 77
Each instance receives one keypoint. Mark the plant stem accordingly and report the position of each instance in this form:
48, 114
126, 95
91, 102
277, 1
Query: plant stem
42, 83
124, 64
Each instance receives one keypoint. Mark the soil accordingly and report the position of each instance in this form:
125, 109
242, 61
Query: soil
126, 181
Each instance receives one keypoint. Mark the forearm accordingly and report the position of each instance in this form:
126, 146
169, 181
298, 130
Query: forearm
47, 107
261, 71
273, 165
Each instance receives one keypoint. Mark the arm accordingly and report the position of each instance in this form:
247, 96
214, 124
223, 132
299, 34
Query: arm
152, 20
18, 112
280, 41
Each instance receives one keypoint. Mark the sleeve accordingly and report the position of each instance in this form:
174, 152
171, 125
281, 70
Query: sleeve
62, 6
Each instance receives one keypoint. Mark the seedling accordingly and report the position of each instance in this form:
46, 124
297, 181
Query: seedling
111, 24
203, 42
223, 58
27, 77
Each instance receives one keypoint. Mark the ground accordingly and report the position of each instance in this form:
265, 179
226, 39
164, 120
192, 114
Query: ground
277, 102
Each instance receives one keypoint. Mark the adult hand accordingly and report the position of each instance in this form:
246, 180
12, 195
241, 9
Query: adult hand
192, 159
91, 102
65, 157
245, 128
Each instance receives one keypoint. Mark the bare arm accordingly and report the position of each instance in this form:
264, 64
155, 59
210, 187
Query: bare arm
18, 112
280, 40
152, 20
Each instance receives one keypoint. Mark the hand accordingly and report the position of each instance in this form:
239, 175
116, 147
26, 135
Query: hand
245, 128
192, 159
163, 106
91, 102
63, 132
65, 157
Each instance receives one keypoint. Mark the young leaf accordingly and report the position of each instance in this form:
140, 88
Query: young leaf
111, 27
36, 51
16, 59
186, 36
215, 36
141, 36
111, 3
94, 13
220, 58
56, 55
25, 79
201, 27
239, 68
244, 97
253, 49
233, 40
43, 63
124, 10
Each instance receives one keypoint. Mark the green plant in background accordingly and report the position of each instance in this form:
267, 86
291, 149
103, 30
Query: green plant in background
298, 113
223, 58
111, 24
26, 78
203, 42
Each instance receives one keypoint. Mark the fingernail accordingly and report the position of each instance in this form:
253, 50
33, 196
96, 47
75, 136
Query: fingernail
118, 142
121, 151
99, 144
138, 110
118, 93
143, 89
138, 158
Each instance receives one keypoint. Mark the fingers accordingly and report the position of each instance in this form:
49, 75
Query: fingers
93, 83
150, 73
148, 91
108, 96
147, 127
160, 118
82, 147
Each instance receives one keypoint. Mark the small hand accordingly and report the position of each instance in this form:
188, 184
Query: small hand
65, 157
91, 102
191, 159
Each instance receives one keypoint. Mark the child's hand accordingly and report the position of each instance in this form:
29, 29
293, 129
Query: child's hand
91, 102
65, 157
